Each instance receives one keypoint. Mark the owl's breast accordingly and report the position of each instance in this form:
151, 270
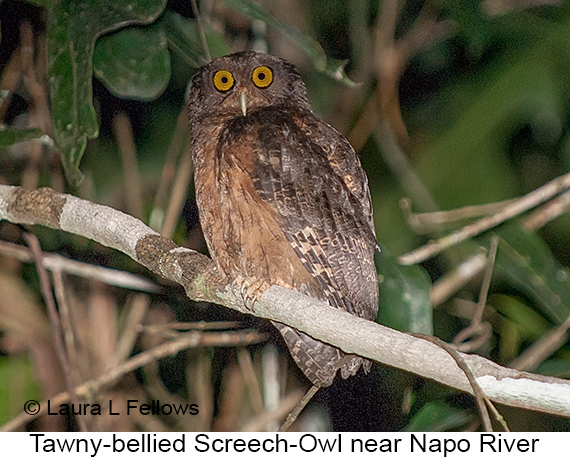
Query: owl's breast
243, 231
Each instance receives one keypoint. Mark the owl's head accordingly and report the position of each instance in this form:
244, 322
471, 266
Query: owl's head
240, 83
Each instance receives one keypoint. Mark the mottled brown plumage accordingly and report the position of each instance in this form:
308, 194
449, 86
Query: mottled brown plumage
282, 197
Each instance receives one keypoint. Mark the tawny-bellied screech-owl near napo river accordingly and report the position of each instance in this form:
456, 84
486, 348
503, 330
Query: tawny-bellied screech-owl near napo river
282, 197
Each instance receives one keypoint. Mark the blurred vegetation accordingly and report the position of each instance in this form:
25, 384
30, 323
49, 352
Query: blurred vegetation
449, 103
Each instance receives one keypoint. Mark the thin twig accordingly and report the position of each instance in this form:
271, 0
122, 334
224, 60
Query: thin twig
473, 337
66, 325
386, 25
519, 206
202, 325
547, 212
130, 324
454, 281
487, 279
292, 417
201, 30
248, 373
176, 146
502, 7
178, 195
132, 179
539, 351
57, 262
55, 322
424, 222
425, 35
464, 341
480, 396
497, 414
272, 377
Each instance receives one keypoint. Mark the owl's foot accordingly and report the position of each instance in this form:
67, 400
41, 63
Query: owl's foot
251, 289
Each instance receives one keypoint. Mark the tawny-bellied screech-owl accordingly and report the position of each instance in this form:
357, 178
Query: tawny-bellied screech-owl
282, 197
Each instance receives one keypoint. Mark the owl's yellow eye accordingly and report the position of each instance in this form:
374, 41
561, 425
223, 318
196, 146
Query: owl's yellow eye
262, 76
223, 80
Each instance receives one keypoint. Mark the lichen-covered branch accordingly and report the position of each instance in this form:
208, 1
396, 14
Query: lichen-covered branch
198, 275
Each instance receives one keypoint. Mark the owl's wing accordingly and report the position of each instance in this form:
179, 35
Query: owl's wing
311, 175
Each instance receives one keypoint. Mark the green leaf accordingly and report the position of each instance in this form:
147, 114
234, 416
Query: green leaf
10, 136
525, 261
133, 62
521, 323
331, 67
184, 37
527, 321
404, 296
437, 416
73, 27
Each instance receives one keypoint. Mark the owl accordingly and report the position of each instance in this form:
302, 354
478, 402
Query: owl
282, 198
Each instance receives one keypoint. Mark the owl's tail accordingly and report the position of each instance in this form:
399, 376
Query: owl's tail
319, 361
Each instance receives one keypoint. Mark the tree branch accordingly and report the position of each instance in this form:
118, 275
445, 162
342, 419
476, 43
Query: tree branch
516, 207
198, 275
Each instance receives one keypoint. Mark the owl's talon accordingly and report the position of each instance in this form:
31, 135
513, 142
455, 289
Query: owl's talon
250, 290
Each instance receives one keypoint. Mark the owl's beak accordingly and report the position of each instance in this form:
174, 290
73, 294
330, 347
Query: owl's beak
243, 102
